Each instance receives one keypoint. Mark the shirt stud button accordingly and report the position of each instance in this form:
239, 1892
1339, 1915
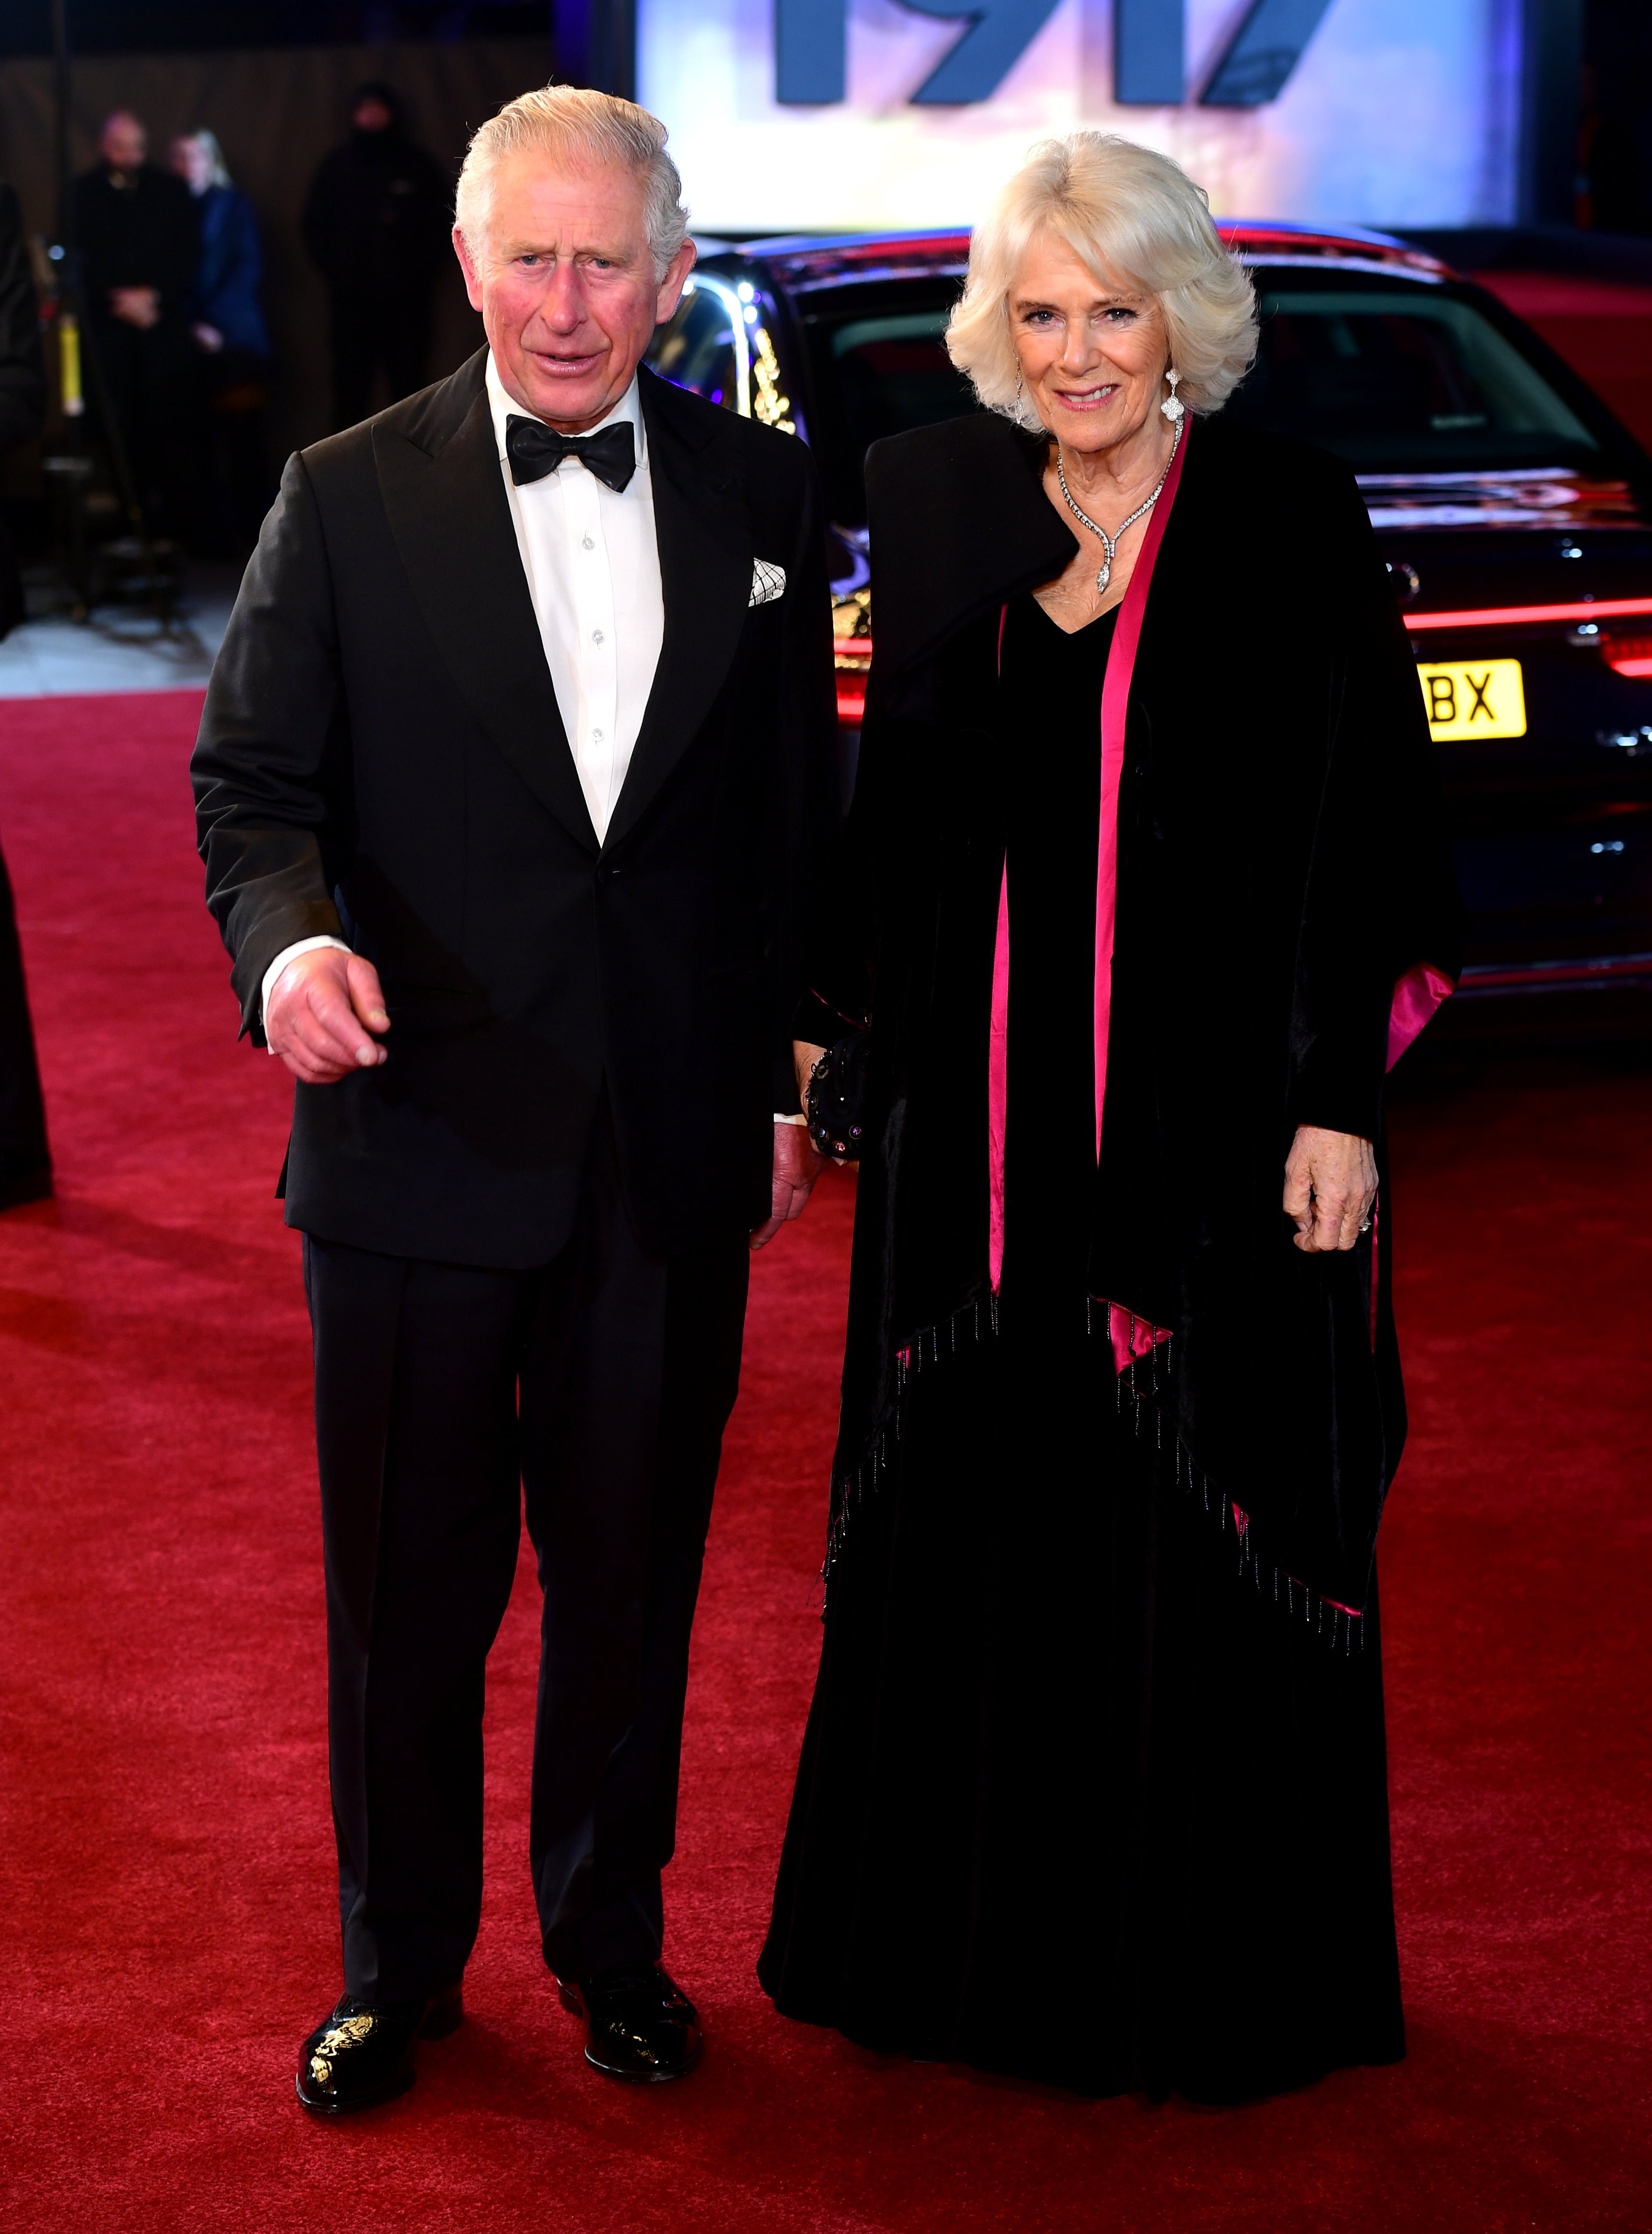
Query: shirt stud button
586, 543
596, 635
596, 736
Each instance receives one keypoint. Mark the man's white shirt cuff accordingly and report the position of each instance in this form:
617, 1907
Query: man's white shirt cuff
289, 954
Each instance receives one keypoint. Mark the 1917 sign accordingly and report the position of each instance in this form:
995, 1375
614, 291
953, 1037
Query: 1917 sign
811, 45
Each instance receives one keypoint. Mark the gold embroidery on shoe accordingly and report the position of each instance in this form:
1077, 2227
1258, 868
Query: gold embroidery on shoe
335, 2038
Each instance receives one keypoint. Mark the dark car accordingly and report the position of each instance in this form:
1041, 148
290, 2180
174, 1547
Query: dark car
1514, 512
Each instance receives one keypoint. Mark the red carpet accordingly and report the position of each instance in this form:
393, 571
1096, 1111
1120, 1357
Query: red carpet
166, 1856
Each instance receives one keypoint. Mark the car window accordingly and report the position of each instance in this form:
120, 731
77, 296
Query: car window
878, 365
1402, 378
697, 348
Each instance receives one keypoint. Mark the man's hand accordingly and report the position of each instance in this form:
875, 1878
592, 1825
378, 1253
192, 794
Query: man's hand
805, 1056
320, 1010
1330, 1185
136, 306
796, 1169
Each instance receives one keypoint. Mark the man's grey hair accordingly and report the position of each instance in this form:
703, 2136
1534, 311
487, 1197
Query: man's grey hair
584, 130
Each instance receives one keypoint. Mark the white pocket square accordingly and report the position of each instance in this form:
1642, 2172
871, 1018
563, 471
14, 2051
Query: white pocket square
769, 582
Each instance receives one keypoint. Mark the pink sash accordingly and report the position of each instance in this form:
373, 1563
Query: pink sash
1115, 701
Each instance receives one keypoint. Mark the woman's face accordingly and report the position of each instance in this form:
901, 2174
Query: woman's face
192, 162
1093, 357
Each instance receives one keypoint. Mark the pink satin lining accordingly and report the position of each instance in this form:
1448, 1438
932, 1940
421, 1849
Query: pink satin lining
998, 1058
997, 1082
1115, 703
1416, 997
1115, 707
1242, 1522
1132, 1337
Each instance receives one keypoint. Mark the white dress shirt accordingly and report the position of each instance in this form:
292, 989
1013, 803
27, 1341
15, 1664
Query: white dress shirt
593, 572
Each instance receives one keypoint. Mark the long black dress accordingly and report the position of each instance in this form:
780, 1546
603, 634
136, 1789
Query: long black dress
1076, 1802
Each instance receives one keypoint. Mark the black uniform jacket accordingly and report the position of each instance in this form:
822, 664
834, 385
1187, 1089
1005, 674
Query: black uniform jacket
144, 233
381, 757
378, 219
23, 369
23, 377
1281, 865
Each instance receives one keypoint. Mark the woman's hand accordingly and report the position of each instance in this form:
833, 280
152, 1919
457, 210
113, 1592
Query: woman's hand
1330, 1186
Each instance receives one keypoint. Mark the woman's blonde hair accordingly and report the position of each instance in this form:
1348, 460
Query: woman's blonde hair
1127, 214
573, 125
217, 170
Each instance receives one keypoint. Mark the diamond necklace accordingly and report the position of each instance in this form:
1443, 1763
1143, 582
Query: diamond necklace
1110, 543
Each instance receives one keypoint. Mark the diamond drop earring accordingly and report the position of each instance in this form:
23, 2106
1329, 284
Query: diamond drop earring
1173, 407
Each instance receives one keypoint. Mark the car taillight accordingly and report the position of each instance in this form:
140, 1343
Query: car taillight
1628, 655
851, 656
1586, 609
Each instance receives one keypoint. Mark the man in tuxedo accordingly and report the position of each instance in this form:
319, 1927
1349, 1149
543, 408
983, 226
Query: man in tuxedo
514, 769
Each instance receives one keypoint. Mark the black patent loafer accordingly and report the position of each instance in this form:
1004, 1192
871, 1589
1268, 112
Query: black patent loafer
363, 2054
24, 1179
638, 2025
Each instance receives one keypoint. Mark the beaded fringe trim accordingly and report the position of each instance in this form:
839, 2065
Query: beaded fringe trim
1139, 1382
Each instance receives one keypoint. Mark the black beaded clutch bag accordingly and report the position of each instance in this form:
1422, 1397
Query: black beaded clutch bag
836, 1103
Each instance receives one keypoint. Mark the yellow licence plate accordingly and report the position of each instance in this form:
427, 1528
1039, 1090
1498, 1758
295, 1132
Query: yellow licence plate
1469, 698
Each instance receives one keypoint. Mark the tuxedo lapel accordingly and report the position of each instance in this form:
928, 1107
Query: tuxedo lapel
704, 538
445, 498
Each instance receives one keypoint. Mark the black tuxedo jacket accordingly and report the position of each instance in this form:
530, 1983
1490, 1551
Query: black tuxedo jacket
381, 757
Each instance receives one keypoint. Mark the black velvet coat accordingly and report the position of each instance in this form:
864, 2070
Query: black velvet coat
1281, 865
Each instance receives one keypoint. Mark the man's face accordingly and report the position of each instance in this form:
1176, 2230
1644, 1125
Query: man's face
565, 282
371, 114
125, 143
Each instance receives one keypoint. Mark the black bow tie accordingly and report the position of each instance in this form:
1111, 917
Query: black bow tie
535, 450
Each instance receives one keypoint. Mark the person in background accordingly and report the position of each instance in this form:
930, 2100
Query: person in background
375, 223
233, 348
23, 377
25, 1160
135, 229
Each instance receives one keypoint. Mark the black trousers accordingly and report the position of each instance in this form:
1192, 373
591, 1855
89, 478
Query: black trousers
150, 376
23, 1115
599, 1385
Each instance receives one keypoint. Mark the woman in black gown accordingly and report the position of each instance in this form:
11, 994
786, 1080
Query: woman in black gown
1093, 1788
